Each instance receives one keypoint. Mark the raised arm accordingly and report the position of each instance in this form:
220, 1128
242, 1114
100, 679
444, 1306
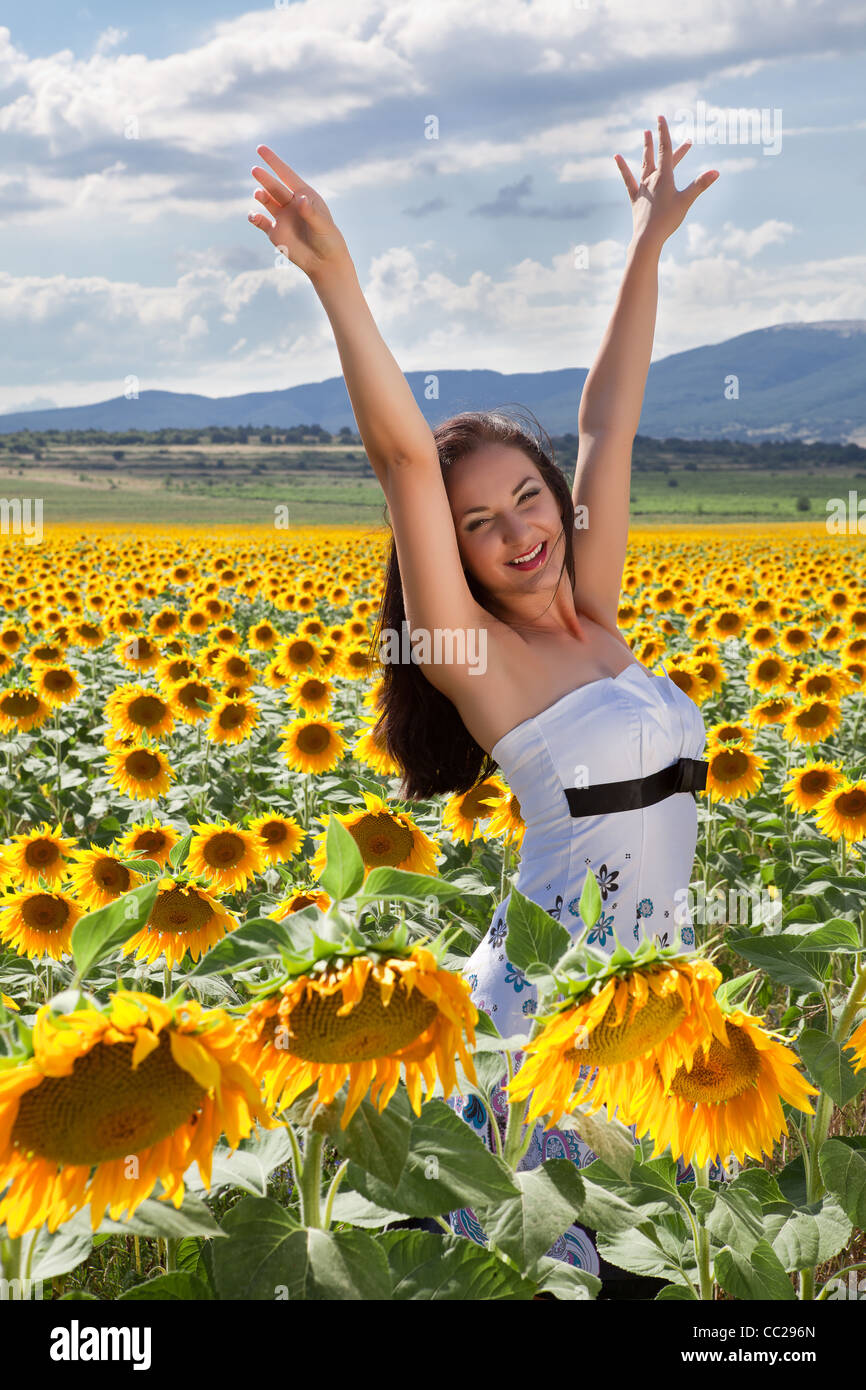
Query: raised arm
613, 392
398, 441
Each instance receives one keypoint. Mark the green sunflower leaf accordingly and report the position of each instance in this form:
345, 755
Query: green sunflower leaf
828, 1067
534, 937
344, 867
97, 934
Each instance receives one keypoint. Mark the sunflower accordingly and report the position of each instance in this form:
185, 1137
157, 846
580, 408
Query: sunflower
134, 710
857, 1045
141, 1080
137, 653
825, 681
384, 837
508, 821
772, 711
734, 770
281, 836
22, 709
232, 665
56, 685
310, 693
185, 696
262, 637
225, 854
312, 744
370, 748
100, 877
360, 1021
686, 675
296, 902
163, 623
141, 773
761, 636
726, 1099
464, 812
727, 623
184, 918
40, 853
639, 1012
795, 640
729, 731
811, 723
297, 654
842, 811
38, 923
232, 718
149, 840
711, 671
807, 785
767, 671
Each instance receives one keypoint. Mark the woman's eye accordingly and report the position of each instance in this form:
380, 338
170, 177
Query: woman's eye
473, 525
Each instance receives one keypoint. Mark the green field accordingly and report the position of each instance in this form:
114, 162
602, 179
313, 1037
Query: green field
333, 484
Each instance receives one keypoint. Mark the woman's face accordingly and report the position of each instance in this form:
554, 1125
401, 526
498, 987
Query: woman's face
503, 510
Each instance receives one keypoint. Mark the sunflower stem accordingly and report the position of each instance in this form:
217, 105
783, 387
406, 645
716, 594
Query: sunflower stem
311, 1180
514, 1135
171, 1244
821, 1124
702, 1179
136, 1246
10, 1258
166, 984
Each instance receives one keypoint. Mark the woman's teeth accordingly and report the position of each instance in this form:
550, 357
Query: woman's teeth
529, 556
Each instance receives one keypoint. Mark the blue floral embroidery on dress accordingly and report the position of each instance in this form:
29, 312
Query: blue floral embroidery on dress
515, 977
472, 981
601, 931
529, 1006
645, 907
574, 907
498, 933
688, 936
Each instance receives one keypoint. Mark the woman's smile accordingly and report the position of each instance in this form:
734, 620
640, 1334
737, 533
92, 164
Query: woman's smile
530, 559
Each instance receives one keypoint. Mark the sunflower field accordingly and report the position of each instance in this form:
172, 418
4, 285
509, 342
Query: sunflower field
233, 1024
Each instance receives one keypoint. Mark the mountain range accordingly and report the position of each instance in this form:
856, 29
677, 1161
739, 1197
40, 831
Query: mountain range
791, 381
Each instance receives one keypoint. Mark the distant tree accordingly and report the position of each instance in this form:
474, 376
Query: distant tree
804, 504
118, 454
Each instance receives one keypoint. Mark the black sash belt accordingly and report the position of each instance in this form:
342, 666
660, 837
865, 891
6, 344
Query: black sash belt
685, 775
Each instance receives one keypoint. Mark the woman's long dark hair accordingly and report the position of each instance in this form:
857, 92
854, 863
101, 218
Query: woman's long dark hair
420, 726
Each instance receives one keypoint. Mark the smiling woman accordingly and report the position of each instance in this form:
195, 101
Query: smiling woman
485, 546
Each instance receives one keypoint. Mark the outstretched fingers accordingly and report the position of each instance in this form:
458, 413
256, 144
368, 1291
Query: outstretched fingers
698, 185
292, 180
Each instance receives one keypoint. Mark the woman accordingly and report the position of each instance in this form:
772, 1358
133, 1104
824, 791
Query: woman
530, 672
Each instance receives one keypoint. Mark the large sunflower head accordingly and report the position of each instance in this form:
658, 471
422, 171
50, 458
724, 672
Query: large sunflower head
312, 744
385, 838
725, 1099
141, 773
134, 710
112, 1100
36, 922
464, 812
225, 855
22, 709
185, 918
149, 840
100, 877
281, 836
734, 770
40, 853
359, 1015
643, 1008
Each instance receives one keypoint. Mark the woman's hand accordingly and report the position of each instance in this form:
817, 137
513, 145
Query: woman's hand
303, 228
658, 207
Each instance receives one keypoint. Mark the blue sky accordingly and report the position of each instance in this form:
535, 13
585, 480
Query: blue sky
128, 132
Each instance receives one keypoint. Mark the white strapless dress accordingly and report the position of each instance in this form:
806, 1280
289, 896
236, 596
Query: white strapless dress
611, 730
